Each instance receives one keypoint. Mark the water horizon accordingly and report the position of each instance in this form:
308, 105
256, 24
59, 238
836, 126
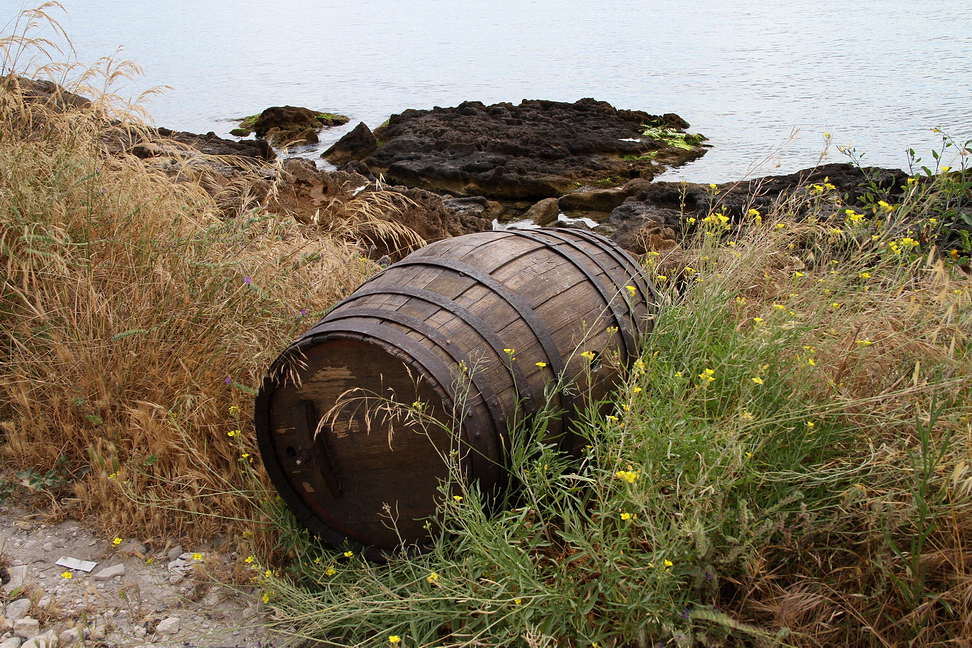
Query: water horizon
763, 82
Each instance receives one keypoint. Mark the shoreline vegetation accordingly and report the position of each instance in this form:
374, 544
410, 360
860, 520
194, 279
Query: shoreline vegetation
788, 463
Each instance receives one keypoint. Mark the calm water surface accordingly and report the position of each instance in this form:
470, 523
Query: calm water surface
763, 80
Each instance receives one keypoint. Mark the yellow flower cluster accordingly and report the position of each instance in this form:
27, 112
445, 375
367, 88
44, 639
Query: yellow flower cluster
854, 218
904, 244
821, 188
718, 221
627, 475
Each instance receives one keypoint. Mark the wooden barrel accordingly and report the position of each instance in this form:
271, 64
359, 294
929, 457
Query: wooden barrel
468, 334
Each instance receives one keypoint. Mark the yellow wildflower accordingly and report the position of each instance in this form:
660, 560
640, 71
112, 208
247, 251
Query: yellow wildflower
197, 556
627, 475
432, 578
394, 640
348, 553
67, 574
631, 290
330, 571
116, 541
457, 498
234, 410
757, 380
625, 515
541, 364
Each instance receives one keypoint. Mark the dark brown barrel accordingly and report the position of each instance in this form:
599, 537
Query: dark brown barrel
470, 332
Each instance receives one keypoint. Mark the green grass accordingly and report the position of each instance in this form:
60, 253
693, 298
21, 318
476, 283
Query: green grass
786, 464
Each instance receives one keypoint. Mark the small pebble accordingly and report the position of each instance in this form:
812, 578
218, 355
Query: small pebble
26, 627
69, 637
16, 609
110, 572
169, 626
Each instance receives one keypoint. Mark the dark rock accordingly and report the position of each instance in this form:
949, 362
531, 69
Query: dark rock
47, 92
477, 207
536, 150
356, 145
359, 167
544, 212
435, 217
285, 125
654, 210
303, 191
212, 144
642, 228
603, 200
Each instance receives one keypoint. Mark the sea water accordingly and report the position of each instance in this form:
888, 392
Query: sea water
764, 80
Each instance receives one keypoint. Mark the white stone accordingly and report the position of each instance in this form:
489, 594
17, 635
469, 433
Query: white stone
18, 576
69, 637
110, 572
12, 642
168, 626
26, 627
139, 632
46, 640
16, 610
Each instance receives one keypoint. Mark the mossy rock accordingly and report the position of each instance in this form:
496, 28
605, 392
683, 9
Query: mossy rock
674, 138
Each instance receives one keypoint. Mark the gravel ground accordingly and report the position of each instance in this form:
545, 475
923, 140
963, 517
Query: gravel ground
133, 595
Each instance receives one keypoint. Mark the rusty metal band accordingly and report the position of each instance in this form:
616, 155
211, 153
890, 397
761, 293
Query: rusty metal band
623, 258
609, 299
458, 356
522, 308
486, 459
471, 320
520, 305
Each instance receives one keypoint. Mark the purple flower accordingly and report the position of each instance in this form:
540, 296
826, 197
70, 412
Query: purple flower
228, 380
247, 280
303, 312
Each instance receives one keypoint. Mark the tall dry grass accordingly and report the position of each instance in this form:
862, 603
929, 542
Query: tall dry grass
132, 315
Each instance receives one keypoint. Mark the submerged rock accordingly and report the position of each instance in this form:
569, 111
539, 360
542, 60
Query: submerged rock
286, 125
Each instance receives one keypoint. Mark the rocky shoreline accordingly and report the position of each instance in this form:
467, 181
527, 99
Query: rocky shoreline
476, 167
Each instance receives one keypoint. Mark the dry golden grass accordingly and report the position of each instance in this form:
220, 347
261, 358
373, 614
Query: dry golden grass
132, 317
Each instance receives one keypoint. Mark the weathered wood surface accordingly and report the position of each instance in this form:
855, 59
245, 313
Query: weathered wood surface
470, 330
